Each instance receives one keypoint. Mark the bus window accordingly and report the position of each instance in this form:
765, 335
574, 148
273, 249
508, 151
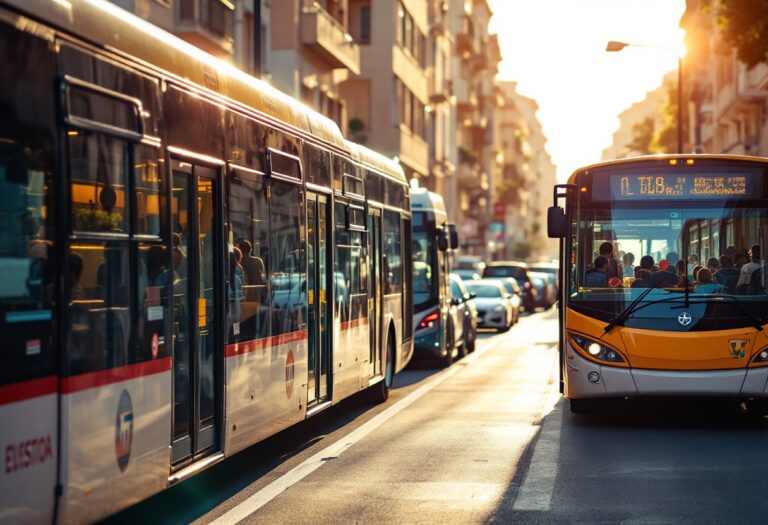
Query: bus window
98, 182
288, 278
249, 219
149, 192
98, 308
393, 269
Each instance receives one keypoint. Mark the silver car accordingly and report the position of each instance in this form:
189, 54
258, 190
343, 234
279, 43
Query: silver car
494, 304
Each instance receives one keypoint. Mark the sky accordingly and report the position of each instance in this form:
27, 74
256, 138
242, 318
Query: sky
555, 50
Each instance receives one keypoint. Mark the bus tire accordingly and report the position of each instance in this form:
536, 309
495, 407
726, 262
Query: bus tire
582, 406
380, 391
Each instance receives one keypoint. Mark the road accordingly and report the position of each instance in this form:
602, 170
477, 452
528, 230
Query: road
488, 440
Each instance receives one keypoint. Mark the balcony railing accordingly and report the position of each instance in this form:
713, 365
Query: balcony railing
328, 38
208, 24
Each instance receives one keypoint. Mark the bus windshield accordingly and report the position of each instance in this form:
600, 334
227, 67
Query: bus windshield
424, 260
706, 258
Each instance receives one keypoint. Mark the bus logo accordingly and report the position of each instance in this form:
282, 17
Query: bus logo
124, 430
738, 347
684, 318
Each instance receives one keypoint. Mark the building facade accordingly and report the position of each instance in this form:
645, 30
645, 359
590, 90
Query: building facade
727, 102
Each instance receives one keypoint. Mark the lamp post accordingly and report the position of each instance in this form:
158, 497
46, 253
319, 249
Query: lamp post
614, 46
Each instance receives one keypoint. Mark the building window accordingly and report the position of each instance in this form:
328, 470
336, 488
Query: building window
365, 24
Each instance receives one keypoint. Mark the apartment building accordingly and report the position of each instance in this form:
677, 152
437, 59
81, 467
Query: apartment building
727, 102
387, 102
312, 52
227, 29
474, 67
528, 174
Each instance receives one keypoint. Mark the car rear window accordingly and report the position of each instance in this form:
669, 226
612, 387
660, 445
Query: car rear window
505, 271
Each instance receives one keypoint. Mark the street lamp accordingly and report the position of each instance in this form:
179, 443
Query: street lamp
614, 46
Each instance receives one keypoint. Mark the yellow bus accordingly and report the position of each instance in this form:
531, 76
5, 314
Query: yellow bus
663, 290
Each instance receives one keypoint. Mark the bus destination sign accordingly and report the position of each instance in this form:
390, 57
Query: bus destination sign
688, 186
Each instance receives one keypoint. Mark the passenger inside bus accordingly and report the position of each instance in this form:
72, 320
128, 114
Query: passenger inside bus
597, 276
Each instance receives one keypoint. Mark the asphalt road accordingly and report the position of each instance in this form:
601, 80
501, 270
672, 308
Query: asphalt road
488, 440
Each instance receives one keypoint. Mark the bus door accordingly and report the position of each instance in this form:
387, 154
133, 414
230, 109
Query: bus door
319, 316
375, 301
196, 294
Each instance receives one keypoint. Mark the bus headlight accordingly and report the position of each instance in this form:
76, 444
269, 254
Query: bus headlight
762, 356
597, 350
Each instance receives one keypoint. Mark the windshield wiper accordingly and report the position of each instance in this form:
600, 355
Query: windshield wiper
627, 311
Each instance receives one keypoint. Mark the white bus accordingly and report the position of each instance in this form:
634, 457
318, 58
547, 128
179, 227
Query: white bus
190, 262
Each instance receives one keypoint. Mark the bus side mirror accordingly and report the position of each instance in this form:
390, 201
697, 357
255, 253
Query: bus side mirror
453, 235
557, 224
442, 240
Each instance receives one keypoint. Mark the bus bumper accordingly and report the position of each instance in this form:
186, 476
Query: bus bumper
612, 381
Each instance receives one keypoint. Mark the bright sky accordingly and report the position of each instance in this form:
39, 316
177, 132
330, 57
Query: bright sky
555, 50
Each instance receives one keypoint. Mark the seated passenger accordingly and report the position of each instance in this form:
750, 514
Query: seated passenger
704, 283
713, 264
726, 272
597, 277
666, 277
642, 278
647, 262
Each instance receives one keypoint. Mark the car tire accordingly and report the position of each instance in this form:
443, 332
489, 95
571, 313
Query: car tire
447, 359
471, 342
504, 328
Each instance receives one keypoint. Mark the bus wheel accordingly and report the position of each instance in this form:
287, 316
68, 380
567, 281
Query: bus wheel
380, 391
583, 406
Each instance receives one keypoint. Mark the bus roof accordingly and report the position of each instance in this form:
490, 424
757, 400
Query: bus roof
425, 200
666, 158
377, 161
104, 24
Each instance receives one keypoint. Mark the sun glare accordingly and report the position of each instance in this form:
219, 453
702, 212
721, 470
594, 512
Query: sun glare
556, 51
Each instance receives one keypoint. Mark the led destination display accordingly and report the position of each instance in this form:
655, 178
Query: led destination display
688, 186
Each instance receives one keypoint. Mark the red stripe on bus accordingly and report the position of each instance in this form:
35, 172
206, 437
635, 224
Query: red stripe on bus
247, 347
70, 385
27, 390
349, 325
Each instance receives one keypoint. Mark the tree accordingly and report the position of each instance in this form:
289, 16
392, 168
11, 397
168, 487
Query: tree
744, 25
642, 137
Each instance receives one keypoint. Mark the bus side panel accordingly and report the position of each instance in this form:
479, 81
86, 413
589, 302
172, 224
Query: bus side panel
115, 441
28, 269
393, 318
28, 439
266, 388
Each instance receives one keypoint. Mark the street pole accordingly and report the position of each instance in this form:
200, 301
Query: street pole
680, 104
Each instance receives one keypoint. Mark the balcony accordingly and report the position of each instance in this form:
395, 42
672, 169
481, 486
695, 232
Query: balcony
328, 38
207, 25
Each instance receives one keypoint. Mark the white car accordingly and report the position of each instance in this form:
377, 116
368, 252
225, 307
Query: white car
494, 304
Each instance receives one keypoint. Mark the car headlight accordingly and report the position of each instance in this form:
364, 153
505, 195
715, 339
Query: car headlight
762, 356
597, 350
498, 308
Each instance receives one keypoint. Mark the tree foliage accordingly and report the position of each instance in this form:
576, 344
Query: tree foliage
642, 137
744, 25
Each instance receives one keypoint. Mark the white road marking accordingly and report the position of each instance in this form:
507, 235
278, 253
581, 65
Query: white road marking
293, 476
539, 484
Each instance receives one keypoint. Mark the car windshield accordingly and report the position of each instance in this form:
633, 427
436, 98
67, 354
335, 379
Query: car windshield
424, 260
485, 291
715, 250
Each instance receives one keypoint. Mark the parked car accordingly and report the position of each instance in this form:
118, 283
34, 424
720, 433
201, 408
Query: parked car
466, 274
462, 300
551, 269
518, 270
494, 305
513, 289
545, 291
